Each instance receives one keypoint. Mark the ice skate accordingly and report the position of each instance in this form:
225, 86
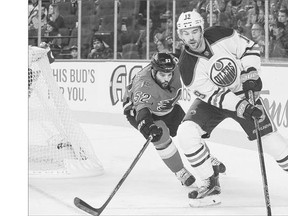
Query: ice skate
185, 177
218, 166
206, 195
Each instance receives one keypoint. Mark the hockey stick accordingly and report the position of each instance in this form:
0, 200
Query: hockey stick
97, 211
261, 157
260, 92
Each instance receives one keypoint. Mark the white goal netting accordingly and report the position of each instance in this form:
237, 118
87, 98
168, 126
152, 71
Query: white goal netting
58, 146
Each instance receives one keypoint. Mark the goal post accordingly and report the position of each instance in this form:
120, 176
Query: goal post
58, 146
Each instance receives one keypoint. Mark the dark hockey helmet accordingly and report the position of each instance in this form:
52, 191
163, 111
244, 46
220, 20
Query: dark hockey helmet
164, 62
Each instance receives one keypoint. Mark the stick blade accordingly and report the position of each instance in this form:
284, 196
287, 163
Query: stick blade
86, 207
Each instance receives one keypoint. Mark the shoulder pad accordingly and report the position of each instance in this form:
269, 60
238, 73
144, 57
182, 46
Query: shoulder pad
187, 65
216, 33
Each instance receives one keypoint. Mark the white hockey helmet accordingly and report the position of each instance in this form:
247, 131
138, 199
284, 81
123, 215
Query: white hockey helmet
190, 19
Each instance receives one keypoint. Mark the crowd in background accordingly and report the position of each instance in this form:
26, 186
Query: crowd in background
59, 25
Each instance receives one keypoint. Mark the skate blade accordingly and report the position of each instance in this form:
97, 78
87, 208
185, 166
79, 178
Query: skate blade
192, 186
206, 201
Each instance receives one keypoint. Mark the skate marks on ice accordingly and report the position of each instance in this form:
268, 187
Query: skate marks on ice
151, 189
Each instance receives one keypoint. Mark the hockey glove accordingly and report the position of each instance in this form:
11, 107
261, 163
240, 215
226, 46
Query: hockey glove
248, 111
129, 112
251, 81
131, 120
147, 128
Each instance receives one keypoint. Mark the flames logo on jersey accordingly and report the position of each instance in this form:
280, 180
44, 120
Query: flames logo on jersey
223, 72
165, 105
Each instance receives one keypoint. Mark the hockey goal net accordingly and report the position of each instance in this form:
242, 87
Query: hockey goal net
58, 146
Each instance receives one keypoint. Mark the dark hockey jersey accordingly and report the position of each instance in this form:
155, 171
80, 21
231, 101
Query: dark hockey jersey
214, 75
143, 92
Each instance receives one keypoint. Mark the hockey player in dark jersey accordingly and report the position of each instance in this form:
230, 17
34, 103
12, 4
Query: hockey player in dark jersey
220, 66
151, 106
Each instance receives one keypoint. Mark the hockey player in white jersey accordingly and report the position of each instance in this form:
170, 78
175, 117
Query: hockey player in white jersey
220, 66
151, 106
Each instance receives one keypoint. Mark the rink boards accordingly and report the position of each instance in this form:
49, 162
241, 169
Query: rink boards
94, 91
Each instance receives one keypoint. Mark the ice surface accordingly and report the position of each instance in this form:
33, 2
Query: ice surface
151, 189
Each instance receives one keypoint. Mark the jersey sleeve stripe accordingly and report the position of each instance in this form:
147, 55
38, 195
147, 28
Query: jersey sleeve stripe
216, 97
253, 50
222, 98
251, 54
210, 98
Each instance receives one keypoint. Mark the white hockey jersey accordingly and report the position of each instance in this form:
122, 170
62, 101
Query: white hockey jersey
214, 75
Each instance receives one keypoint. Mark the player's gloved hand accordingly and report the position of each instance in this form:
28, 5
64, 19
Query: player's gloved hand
148, 128
248, 111
131, 119
251, 81
129, 112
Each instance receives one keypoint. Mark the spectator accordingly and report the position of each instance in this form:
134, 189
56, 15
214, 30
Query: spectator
74, 52
283, 4
222, 4
55, 16
259, 4
257, 32
283, 18
242, 29
50, 11
32, 9
279, 46
261, 16
235, 9
141, 41
215, 6
164, 35
106, 26
56, 1
166, 44
33, 19
273, 7
74, 7
130, 35
51, 34
215, 18
224, 20
272, 19
161, 44
166, 24
251, 17
100, 50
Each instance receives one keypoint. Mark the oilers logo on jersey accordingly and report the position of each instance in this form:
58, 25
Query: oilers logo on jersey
223, 72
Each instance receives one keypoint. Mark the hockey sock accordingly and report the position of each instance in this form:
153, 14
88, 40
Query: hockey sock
283, 163
275, 145
282, 160
170, 156
199, 159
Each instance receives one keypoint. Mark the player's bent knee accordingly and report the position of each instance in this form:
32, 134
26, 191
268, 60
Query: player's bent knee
189, 134
165, 139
